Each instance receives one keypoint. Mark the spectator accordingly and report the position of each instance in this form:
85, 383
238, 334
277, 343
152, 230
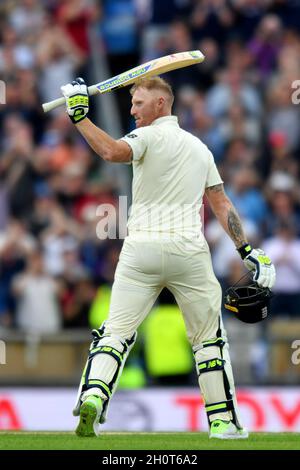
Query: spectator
13, 53
62, 234
211, 19
37, 298
239, 154
284, 248
281, 160
239, 58
58, 59
266, 44
119, 32
288, 63
27, 19
202, 124
77, 299
206, 72
17, 165
239, 125
15, 245
248, 14
245, 195
180, 37
282, 196
283, 115
231, 87
75, 17
44, 203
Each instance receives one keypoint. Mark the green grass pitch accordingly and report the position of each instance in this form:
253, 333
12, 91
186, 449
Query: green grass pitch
145, 441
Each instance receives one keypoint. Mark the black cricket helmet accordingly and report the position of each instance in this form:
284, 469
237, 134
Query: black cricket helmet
250, 303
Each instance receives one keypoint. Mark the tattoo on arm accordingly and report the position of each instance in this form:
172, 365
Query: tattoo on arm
235, 228
226, 214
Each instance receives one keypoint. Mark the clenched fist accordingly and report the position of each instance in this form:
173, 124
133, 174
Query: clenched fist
77, 99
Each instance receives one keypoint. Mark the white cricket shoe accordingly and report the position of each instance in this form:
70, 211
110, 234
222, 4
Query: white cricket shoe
90, 412
226, 430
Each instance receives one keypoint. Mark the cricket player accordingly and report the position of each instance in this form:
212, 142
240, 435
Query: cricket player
165, 247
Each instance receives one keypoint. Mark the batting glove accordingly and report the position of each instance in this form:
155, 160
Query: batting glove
77, 99
256, 260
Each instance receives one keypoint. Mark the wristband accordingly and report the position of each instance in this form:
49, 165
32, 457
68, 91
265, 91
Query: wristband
244, 250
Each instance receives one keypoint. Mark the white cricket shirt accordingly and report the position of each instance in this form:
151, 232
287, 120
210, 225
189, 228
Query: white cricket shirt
171, 170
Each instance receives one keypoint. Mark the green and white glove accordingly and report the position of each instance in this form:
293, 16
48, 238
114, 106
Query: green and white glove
77, 99
256, 260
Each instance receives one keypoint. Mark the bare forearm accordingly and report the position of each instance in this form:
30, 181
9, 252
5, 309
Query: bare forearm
100, 141
234, 227
105, 146
226, 214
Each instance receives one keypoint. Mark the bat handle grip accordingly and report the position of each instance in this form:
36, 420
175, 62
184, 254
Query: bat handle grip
61, 101
53, 104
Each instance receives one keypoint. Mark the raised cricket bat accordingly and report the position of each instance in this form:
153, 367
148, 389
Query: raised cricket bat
154, 67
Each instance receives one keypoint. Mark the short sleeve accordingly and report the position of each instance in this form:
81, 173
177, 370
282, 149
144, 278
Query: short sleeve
213, 175
138, 142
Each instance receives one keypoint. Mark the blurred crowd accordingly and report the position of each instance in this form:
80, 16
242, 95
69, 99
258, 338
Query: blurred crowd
54, 271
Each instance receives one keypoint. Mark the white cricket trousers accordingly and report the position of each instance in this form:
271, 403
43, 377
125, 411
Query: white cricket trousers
184, 267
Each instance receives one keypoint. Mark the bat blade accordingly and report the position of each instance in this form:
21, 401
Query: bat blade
153, 67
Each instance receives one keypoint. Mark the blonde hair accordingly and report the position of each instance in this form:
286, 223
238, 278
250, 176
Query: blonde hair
154, 83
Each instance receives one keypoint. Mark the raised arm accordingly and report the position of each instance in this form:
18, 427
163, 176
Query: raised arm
77, 102
106, 147
254, 259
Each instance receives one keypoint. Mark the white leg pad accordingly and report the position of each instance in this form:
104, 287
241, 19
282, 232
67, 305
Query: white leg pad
211, 382
106, 360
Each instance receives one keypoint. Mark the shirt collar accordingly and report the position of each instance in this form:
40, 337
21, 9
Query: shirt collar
165, 119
